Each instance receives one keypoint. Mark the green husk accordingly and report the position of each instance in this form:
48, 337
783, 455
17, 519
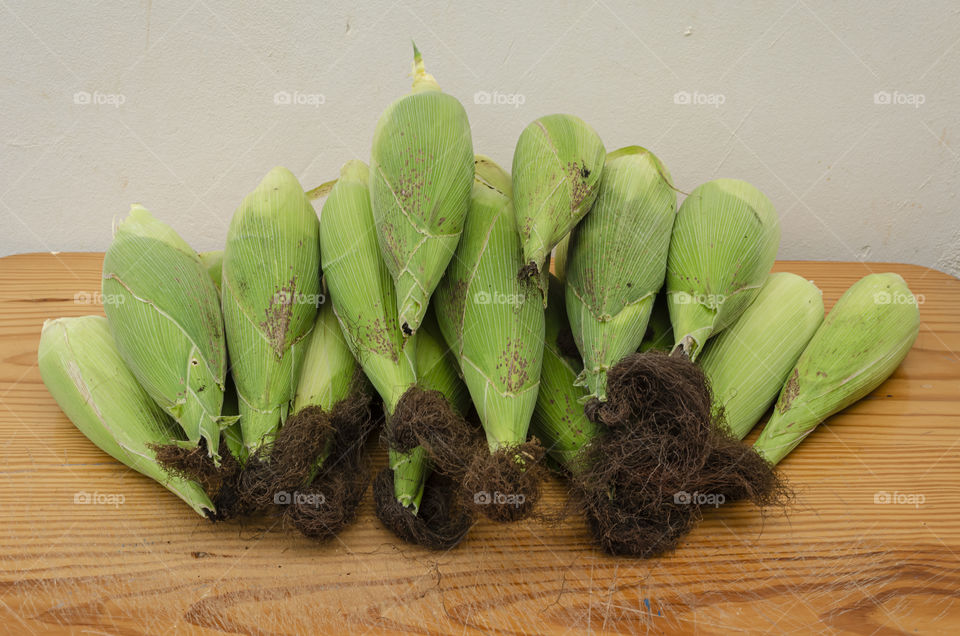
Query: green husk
270, 287
437, 367
421, 171
659, 336
364, 299
749, 361
328, 366
724, 242
861, 342
558, 260
557, 165
84, 372
213, 261
164, 313
558, 419
492, 320
617, 262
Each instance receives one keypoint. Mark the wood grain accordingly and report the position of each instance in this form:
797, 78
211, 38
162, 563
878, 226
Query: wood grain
837, 562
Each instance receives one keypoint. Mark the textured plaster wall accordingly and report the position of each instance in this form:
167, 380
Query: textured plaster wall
847, 114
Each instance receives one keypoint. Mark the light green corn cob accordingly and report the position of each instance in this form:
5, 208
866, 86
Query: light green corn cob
270, 288
861, 342
421, 171
164, 314
617, 262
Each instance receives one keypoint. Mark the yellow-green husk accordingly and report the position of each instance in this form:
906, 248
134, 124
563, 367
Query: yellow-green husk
84, 372
861, 342
748, 362
617, 261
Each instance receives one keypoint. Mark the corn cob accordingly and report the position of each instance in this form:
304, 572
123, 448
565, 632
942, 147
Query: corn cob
861, 342
617, 262
164, 313
494, 323
558, 419
364, 300
270, 287
748, 362
557, 166
421, 171
724, 242
83, 370
316, 463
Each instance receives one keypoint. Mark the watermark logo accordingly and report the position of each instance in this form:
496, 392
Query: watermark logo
84, 498
296, 98
96, 98
896, 98
684, 498
899, 498
298, 298
709, 300
486, 498
496, 98
696, 98
899, 298
295, 498
498, 298
96, 298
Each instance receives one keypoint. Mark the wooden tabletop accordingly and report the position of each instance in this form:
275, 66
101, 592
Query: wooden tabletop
840, 560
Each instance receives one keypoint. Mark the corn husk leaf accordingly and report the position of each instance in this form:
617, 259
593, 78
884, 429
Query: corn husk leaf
558, 260
724, 242
421, 171
164, 314
437, 366
270, 287
748, 362
659, 336
557, 165
617, 262
213, 261
364, 300
328, 366
84, 372
558, 419
861, 342
492, 320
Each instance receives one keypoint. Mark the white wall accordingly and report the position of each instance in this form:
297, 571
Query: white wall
198, 126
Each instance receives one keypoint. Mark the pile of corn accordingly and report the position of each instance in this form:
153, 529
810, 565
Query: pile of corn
434, 281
